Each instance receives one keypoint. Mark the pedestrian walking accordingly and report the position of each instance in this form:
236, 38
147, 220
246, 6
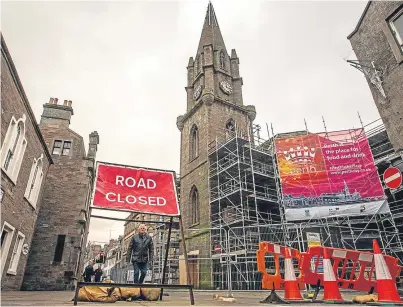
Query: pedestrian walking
140, 253
98, 274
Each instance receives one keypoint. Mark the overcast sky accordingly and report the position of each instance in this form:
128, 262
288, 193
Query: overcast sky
123, 64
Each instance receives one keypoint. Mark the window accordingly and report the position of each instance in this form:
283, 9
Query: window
57, 147
7, 234
222, 60
13, 149
194, 206
3, 237
66, 148
393, 30
59, 248
15, 256
194, 142
396, 23
34, 182
1, 195
61, 148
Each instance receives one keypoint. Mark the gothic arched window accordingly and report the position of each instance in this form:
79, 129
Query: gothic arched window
194, 206
13, 148
194, 142
222, 60
34, 181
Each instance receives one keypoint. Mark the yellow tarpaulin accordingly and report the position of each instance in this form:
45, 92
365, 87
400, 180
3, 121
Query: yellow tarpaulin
111, 294
126, 293
150, 294
97, 294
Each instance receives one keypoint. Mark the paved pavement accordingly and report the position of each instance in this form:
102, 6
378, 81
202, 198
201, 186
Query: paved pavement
175, 298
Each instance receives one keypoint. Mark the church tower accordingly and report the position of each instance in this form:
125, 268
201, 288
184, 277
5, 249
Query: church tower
214, 104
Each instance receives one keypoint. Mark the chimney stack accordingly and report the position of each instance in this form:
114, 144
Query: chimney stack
93, 146
56, 115
53, 100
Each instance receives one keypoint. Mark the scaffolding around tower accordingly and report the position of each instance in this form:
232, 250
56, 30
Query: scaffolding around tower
246, 202
247, 207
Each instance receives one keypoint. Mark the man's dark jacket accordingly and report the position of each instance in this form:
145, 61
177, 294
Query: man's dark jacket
141, 249
89, 271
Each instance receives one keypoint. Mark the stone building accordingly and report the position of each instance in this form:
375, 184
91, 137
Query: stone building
377, 42
214, 103
91, 252
56, 257
25, 161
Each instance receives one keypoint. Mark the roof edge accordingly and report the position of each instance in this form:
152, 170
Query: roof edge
360, 21
24, 97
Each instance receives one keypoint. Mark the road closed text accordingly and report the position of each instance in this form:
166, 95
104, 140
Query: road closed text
138, 184
141, 200
136, 189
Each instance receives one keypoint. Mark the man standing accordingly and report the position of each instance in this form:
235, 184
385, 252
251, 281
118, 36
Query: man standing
88, 272
140, 253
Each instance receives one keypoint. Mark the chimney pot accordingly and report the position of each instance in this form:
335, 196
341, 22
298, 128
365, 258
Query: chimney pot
55, 100
50, 100
65, 103
70, 102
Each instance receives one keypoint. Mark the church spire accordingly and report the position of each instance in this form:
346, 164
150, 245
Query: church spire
211, 34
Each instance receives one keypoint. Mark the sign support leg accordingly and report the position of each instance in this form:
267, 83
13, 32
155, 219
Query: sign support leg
166, 256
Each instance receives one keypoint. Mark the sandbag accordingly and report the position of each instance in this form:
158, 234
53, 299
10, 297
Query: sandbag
126, 293
150, 294
362, 299
97, 294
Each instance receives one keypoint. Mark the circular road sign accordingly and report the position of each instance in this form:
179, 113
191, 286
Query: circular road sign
392, 177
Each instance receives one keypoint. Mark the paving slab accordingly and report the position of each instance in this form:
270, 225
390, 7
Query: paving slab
175, 298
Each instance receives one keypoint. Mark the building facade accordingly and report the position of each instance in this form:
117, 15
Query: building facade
91, 252
377, 42
58, 248
25, 161
214, 103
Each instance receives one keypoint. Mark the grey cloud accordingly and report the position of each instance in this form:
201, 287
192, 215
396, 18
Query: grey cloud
123, 64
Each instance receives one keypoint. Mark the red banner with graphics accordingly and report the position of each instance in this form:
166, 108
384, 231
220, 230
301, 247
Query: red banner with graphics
127, 188
324, 174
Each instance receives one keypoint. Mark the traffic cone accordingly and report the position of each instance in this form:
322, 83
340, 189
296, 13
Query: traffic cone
291, 288
387, 291
331, 289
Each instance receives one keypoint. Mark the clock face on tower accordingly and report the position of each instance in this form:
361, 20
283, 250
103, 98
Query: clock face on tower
197, 92
226, 87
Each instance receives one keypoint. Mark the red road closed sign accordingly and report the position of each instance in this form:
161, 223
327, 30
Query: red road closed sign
129, 188
392, 177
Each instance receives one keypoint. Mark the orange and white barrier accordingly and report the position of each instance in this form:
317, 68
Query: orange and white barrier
361, 273
291, 287
367, 272
330, 286
387, 291
275, 281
